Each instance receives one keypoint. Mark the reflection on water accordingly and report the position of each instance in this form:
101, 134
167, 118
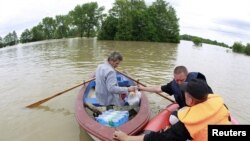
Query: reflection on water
54, 110
34, 71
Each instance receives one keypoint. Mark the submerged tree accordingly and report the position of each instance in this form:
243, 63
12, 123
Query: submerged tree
197, 41
62, 26
86, 18
132, 20
26, 36
238, 47
247, 49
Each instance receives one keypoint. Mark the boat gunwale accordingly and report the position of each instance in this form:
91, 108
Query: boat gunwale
89, 124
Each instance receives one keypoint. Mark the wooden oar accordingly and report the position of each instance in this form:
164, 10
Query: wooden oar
60, 93
145, 86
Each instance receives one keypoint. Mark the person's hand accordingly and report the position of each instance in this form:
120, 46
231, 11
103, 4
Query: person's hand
132, 88
119, 135
140, 87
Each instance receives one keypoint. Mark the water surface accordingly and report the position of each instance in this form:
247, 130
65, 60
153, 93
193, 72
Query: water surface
34, 71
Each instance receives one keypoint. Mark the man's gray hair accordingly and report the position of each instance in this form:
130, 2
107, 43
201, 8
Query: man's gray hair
115, 56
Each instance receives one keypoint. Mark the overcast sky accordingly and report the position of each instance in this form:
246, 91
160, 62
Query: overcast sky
222, 20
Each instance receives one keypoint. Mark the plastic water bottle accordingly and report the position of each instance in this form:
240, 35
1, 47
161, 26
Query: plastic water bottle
113, 118
116, 122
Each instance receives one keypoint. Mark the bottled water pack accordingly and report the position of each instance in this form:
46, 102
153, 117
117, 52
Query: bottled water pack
113, 118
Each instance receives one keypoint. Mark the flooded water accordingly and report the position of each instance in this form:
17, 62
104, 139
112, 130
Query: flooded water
34, 71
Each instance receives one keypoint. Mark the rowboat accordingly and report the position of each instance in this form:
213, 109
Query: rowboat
97, 131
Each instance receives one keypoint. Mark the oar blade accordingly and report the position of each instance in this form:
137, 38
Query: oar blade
37, 103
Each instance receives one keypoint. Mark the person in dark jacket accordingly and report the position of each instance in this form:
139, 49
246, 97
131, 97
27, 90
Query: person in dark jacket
181, 75
192, 125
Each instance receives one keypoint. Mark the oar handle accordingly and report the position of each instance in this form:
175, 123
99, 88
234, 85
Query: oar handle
145, 86
35, 104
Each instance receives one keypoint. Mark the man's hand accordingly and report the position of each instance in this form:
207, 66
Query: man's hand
119, 135
132, 88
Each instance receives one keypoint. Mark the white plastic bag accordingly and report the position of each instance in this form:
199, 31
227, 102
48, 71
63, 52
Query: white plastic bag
134, 99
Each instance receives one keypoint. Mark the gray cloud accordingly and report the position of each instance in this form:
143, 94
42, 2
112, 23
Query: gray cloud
239, 24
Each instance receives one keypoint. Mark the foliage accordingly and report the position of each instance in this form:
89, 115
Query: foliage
38, 33
10, 39
247, 49
207, 41
132, 20
126, 20
62, 26
26, 36
163, 18
238, 47
85, 18
1, 42
108, 29
197, 41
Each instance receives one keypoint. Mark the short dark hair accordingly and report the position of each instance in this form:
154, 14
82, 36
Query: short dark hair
197, 88
115, 56
180, 69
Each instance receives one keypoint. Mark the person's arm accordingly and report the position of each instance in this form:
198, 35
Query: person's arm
177, 132
111, 84
167, 88
121, 136
150, 89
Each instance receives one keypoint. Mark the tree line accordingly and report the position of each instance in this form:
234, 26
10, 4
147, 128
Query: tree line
240, 48
126, 20
199, 40
237, 47
129, 20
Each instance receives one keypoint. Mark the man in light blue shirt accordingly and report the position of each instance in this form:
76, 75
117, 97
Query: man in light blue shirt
107, 90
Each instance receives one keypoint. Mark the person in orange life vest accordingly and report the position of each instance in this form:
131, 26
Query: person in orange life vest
192, 125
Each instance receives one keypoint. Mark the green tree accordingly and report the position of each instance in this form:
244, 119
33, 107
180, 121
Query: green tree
15, 38
10, 39
108, 29
37, 33
204, 40
1, 42
26, 36
197, 41
62, 26
49, 27
247, 49
86, 18
238, 47
124, 25
164, 25
139, 20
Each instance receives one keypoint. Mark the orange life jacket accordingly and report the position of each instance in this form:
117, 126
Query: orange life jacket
197, 118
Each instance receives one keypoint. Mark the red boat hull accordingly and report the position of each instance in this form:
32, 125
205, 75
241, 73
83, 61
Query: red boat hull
90, 125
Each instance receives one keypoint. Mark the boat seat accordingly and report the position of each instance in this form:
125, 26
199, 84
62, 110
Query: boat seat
124, 83
93, 101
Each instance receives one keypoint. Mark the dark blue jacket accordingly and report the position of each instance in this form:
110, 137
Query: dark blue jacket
172, 88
